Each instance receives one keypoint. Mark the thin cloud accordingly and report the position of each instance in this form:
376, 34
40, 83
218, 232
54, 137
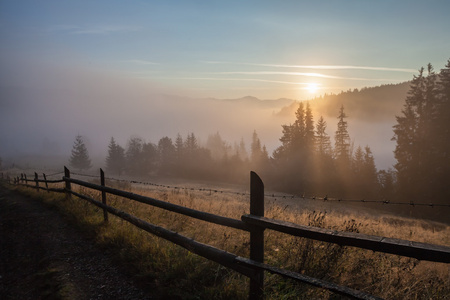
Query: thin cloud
319, 75
325, 67
320, 67
141, 62
100, 29
232, 79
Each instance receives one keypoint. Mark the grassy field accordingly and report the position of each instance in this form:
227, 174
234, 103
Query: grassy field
175, 271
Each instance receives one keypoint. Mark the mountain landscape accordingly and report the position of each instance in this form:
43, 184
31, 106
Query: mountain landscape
369, 110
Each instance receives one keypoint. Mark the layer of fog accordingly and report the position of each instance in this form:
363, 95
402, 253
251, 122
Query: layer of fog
42, 114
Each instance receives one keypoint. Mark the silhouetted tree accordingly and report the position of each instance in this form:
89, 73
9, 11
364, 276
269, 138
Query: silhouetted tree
323, 169
322, 140
134, 156
387, 183
167, 156
342, 139
309, 129
149, 158
415, 132
80, 156
256, 151
241, 150
218, 147
115, 161
369, 175
442, 138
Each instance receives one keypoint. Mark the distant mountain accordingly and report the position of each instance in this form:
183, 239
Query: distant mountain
374, 104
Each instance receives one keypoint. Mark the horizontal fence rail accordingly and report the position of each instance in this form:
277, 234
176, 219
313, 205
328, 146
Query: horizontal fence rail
204, 216
406, 248
255, 223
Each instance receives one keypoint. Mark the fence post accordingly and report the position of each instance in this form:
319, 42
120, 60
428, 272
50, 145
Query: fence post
68, 185
46, 183
21, 178
25, 176
36, 180
102, 183
257, 235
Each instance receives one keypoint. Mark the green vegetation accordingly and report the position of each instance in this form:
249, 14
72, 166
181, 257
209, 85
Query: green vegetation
171, 270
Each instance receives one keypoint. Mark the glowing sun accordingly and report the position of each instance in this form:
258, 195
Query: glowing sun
312, 87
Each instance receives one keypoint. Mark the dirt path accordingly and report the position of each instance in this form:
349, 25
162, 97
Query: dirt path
43, 257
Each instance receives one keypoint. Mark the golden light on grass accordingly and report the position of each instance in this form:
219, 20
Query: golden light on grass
161, 262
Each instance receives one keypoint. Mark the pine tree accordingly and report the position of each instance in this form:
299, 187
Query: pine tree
167, 155
342, 139
242, 150
416, 133
298, 132
191, 146
322, 140
149, 158
80, 157
309, 128
256, 151
179, 149
442, 158
115, 161
134, 155
369, 174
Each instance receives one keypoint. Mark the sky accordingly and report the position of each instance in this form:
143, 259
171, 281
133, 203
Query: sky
65, 65
226, 49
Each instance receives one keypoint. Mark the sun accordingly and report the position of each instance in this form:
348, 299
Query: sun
312, 87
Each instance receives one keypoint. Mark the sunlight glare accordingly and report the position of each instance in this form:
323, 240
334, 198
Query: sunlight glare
312, 87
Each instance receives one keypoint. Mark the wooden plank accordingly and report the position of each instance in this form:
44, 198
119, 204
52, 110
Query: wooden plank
421, 251
220, 220
67, 180
308, 280
46, 182
102, 182
222, 257
36, 179
257, 235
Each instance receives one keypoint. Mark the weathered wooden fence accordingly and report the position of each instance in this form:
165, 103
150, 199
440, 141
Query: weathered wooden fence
255, 223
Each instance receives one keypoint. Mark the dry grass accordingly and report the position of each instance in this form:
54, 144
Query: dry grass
175, 271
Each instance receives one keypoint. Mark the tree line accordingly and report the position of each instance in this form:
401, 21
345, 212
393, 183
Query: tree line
307, 161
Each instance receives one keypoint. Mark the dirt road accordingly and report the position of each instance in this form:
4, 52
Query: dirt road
43, 257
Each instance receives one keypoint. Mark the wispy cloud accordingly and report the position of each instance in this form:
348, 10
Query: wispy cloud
235, 79
96, 29
320, 67
141, 62
319, 75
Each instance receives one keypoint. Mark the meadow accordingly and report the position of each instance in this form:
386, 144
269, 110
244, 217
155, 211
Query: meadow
175, 271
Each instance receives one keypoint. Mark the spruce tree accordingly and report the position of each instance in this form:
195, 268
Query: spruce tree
309, 128
167, 155
115, 161
79, 158
322, 140
342, 139
134, 156
417, 151
442, 158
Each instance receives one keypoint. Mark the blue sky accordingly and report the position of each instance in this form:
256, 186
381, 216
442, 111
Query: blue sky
223, 49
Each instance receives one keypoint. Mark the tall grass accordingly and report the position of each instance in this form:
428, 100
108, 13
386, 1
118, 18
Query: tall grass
172, 271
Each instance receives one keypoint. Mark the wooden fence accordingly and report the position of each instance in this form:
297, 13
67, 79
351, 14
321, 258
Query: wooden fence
255, 223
